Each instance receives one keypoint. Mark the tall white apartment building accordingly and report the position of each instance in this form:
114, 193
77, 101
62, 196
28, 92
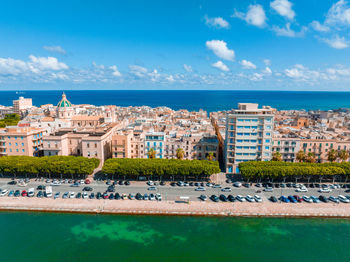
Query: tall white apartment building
248, 135
21, 104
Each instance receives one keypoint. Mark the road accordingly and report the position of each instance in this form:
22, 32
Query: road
169, 192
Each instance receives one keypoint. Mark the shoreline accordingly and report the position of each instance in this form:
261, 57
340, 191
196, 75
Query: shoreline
170, 208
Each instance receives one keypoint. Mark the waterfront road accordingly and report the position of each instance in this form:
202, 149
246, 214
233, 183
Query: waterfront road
172, 192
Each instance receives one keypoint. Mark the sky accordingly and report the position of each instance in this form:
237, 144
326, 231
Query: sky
185, 44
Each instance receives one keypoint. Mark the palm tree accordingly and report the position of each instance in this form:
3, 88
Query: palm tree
343, 155
210, 156
151, 153
277, 156
180, 153
332, 155
310, 158
301, 157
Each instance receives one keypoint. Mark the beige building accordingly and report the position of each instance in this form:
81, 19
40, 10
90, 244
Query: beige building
21, 141
21, 104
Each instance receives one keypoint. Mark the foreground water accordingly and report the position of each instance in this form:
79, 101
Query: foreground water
73, 237
191, 100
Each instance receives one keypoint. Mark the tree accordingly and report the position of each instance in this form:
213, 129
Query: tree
151, 153
332, 155
301, 157
310, 157
343, 155
210, 156
276, 156
180, 153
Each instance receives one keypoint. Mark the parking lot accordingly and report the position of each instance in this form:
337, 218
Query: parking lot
172, 191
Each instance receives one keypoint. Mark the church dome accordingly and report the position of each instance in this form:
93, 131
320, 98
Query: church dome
64, 102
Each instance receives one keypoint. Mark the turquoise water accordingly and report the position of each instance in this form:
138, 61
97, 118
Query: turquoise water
73, 237
191, 100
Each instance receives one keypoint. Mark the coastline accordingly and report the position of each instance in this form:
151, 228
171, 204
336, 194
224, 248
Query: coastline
170, 208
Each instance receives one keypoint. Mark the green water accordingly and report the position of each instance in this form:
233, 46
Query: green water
71, 237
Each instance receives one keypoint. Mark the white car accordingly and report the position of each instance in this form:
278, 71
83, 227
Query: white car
324, 190
237, 184
71, 194
301, 189
159, 197
226, 189
258, 198
150, 183
55, 183
268, 189
240, 198
200, 189
307, 199
343, 199
250, 198
3, 192
85, 195
31, 192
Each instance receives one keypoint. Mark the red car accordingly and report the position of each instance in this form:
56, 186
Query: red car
87, 181
105, 196
298, 198
24, 193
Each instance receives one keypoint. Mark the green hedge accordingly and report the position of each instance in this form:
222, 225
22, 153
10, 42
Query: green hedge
49, 165
10, 120
277, 169
160, 167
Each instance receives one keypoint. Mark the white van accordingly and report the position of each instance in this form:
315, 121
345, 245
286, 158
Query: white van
48, 191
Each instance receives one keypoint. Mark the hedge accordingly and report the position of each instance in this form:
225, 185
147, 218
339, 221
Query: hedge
160, 167
277, 169
64, 166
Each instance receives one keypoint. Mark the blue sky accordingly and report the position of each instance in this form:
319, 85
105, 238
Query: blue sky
263, 45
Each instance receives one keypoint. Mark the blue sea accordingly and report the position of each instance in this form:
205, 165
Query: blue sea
191, 100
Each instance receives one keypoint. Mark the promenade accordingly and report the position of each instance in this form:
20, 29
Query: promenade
194, 208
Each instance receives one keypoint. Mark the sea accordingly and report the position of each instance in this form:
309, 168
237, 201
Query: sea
42, 237
190, 100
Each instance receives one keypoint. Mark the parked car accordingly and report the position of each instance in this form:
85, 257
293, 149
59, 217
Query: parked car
284, 199
200, 189
159, 197
152, 188
249, 198
117, 196
3, 192
216, 186
13, 182
226, 189
301, 189
307, 199
292, 199
323, 199
203, 197
333, 199
87, 181
92, 195
268, 189
24, 193
223, 198
65, 195
231, 198
17, 193
237, 184
240, 198
315, 199
87, 188
71, 194
273, 199
57, 195
343, 199
258, 198
214, 198
325, 190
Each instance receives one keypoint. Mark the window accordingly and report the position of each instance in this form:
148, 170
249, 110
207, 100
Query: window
17, 144
95, 145
88, 146
23, 150
22, 144
267, 140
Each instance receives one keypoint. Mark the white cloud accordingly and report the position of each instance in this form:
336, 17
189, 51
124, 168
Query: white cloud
115, 71
267, 71
318, 27
287, 31
337, 42
221, 66
188, 68
55, 49
138, 71
170, 78
283, 8
267, 62
10, 66
338, 14
46, 63
294, 73
254, 16
220, 49
217, 22
247, 64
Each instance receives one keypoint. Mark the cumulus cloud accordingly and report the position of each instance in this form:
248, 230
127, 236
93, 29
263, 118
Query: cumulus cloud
115, 71
267, 71
254, 16
338, 14
220, 49
267, 62
188, 68
55, 49
319, 27
217, 22
46, 63
247, 64
283, 8
287, 31
221, 66
337, 42
137, 70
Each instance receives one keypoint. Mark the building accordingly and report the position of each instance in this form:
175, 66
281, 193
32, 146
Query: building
121, 145
64, 108
287, 147
21, 141
21, 104
155, 140
248, 135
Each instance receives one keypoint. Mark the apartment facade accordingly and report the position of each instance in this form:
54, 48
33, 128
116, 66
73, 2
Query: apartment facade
155, 141
248, 135
287, 147
21, 141
21, 104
